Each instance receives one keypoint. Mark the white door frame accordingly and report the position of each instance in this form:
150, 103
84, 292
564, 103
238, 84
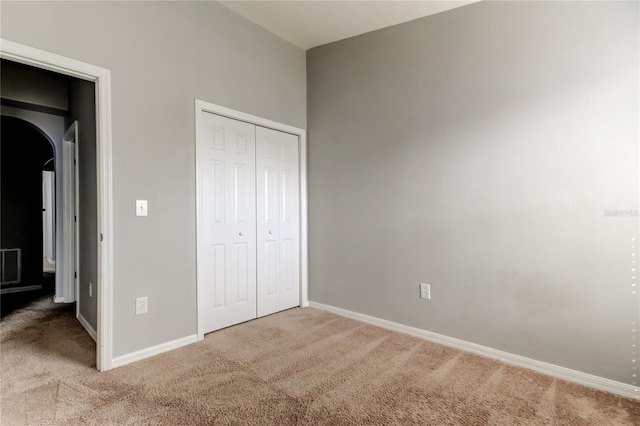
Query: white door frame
48, 190
71, 135
102, 78
65, 240
202, 106
69, 275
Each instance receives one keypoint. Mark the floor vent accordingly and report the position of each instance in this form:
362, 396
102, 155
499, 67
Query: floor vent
10, 266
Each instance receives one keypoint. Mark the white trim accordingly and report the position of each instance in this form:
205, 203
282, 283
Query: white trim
92, 332
153, 350
201, 106
563, 373
57, 299
48, 204
304, 235
102, 79
73, 133
199, 320
68, 270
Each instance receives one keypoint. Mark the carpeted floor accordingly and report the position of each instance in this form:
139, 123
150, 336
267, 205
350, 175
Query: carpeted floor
302, 366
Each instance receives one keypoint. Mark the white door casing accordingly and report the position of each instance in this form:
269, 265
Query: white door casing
102, 78
69, 239
278, 206
73, 134
226, 227
48, 205
71, 236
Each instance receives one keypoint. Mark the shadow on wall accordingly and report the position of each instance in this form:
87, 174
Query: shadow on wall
24, 150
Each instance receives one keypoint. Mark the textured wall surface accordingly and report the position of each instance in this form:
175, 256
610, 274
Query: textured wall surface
481, 150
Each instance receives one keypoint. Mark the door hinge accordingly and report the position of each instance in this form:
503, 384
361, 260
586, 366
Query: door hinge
75, 218
75, 275
101, 236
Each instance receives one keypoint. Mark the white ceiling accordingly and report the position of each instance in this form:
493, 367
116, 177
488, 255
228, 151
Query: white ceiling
312, 23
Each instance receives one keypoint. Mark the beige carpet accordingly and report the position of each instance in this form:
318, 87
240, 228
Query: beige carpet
302, 366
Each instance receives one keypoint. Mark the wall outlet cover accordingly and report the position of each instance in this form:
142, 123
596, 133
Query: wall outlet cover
425, 291
142, 305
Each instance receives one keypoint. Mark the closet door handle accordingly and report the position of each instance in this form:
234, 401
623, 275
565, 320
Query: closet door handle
270, 232
240, 233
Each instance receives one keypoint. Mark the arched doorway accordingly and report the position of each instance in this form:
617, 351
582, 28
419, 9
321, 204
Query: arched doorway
25, 152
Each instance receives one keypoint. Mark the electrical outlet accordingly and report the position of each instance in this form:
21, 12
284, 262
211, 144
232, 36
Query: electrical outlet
90, 289
425, 291
142, 305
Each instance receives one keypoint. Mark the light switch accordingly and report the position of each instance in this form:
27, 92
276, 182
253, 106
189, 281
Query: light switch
141, 207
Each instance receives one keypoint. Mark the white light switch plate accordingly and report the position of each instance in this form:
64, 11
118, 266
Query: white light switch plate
141, 207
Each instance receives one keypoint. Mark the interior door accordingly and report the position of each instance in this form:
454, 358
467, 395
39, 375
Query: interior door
278, 213
70, 253
226, 222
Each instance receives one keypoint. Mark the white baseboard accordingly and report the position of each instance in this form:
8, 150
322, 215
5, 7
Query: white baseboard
57, 299
564, 373
87, 326
153, 350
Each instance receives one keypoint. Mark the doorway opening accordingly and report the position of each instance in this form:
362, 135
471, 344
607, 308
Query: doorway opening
49, 189
74, 239
27, 219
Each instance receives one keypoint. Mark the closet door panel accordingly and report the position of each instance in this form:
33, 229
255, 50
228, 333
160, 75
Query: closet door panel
226, 225
278, 226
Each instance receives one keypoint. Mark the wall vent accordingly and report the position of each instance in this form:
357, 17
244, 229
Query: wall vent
10, 266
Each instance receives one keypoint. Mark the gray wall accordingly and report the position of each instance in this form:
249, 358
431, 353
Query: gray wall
52, 102
162, 56
82, 101
24, 150
477, 150
41, 98
23, 84
53, 126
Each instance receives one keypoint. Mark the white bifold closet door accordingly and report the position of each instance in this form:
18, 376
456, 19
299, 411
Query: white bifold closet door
278, 221
248, 221
227, 226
